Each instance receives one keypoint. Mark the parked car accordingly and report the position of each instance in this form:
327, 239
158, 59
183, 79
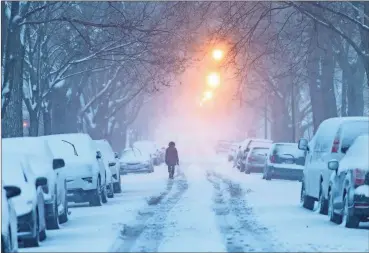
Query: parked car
285, 161
256, 158
134, 161
222, 146
29, 205
348, 191
111, 161
43, 164
149, 148
9, 225
85, 172
246, 147
232, 152
331, 141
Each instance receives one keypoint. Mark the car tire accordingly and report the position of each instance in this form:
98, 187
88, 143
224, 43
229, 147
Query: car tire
350, 220
118, 185
95, 199
333, 217
52, 222
43, 235
305, 200
268, 177
64, 217
104, 195
111, 191
35, 241
322, 202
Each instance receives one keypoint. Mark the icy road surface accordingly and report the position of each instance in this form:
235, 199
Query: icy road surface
208, 207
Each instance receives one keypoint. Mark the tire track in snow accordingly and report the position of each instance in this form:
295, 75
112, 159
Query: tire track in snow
235, 219
150, 221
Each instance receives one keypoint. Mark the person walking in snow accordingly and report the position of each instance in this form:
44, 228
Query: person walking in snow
171, 158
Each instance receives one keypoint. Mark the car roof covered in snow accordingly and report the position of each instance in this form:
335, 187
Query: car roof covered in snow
31, 146
84, 145
357, 155
105, 149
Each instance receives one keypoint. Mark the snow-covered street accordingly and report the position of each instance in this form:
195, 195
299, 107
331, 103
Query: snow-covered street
209, 206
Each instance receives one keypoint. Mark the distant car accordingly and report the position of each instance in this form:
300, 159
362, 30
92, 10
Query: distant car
85, 170
43, 163
246, 147
331, 141
111, 161
29, 205
9, 240
256, 158
222, 146
232, 152
285, 161
134, 161
348, 192
149, 148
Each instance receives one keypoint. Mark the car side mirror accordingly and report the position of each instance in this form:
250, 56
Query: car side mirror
41, 181
116, 156
333, 165
12, 191
58, 163
303, 144
344, 149
111, 164
98, 155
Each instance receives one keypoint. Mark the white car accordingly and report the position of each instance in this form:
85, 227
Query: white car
85, 170
29, 205
43, 164
9, 225
256, 159
246, 147
331, 141
112, 162
147, 147
134, 161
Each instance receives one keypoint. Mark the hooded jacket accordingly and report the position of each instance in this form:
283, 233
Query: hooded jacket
171, 156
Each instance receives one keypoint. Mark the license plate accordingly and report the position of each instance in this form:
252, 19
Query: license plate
289, 161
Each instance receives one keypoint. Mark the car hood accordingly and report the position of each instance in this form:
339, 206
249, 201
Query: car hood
133, 160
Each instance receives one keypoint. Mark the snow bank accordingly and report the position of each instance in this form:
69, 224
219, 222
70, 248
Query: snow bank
362, 190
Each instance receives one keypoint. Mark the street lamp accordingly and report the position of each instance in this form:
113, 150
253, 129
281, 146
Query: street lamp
213, 79
218, 54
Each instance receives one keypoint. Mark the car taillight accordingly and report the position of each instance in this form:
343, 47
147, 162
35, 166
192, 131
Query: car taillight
45, 188
336, 144
359, 176
250, 159
272, 158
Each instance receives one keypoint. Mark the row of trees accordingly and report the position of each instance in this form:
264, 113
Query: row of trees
88, 66
302, 62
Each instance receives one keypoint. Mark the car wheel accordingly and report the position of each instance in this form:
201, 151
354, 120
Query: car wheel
111, 190
322, 202
104, 194
117, 185
43, 235
96, 195
64, 217
349, 219
305, 200
333, 217
268, 176
53, 221
35, 241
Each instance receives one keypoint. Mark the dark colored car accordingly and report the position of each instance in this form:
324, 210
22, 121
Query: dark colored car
284, 161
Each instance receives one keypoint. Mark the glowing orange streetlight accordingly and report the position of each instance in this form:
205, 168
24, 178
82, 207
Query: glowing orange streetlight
213, 79
217, 54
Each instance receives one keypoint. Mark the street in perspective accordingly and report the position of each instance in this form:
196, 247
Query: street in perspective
184, 126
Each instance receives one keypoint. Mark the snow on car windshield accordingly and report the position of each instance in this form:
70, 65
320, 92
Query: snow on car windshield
128, 154
288, 149
351, 130
12, 172
29, 146
259, 151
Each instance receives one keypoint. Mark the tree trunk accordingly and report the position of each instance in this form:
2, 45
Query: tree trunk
345, 81
11, 112
355, 92
47, 121
33, 123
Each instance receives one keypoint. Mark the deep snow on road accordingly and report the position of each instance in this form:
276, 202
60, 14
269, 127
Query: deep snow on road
208, 207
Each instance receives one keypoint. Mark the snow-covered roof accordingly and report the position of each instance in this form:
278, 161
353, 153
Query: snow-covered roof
357, 155
31, 146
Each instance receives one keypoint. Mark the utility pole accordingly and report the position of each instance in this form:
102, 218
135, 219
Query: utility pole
265, 113
293, 125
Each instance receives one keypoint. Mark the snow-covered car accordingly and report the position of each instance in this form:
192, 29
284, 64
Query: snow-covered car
331, 141
222, 146
246, 147
148, 147
111, 161
232, 152
348, 192
29, 205
134, 161
85, 170
256, 158
43, 164
9, 225
285, 161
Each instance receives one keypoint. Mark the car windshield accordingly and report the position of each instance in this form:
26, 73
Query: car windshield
288, 150
351, 130
12, 172
129, 154
259, 151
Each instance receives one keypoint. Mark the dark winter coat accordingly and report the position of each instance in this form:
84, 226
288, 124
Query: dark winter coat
171, 156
